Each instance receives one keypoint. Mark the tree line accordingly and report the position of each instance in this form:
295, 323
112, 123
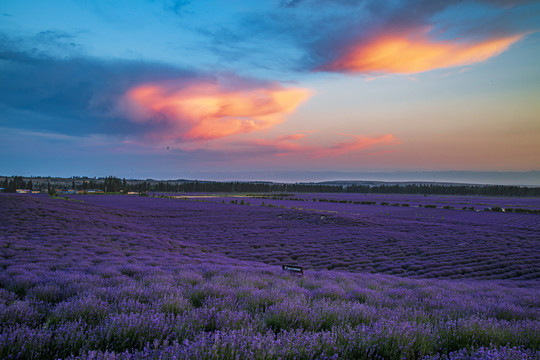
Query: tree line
16, 183
113, 184
263, 187
429, 189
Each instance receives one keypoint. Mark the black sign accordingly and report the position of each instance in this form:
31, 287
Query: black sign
293, 269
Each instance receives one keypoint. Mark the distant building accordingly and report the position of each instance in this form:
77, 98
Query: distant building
95, 191
23, 191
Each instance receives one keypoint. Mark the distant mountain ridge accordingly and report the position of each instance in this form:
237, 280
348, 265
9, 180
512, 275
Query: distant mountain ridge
403, 183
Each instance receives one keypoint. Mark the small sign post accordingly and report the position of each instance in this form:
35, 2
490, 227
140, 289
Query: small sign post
293, 269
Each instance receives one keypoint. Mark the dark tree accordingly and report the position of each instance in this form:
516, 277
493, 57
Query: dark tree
50, 190
112, 184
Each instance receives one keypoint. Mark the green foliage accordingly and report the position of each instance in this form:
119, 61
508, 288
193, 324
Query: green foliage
112, 184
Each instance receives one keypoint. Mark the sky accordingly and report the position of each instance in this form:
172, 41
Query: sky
263, 90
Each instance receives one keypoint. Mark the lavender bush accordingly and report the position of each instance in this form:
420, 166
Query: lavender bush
406, 241
117, 277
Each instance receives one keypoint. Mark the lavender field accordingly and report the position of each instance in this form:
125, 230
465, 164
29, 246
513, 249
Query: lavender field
199, 277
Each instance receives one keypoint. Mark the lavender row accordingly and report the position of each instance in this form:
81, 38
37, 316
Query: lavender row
145, 278
225, 311
456, 201
411, 242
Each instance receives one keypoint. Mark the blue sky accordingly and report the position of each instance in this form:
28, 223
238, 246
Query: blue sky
175, 89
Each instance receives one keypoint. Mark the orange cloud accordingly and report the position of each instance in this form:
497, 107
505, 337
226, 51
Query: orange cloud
359, 143
299, 145
205, 110
414, 52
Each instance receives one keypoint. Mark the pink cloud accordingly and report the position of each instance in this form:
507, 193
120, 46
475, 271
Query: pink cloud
297, 145
198, 111
359, 143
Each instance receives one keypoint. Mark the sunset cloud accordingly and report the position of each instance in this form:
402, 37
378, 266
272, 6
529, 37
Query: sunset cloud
183, 86
414, 52
295, 146
208, 110
358, 143
374, 37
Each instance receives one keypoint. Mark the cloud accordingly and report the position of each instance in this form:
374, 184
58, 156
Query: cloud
414, 52
177, 6
132, 99
75, 96
348, 35
280, 146
289, 148
422, 35
206, 110
289, 145
359, 143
